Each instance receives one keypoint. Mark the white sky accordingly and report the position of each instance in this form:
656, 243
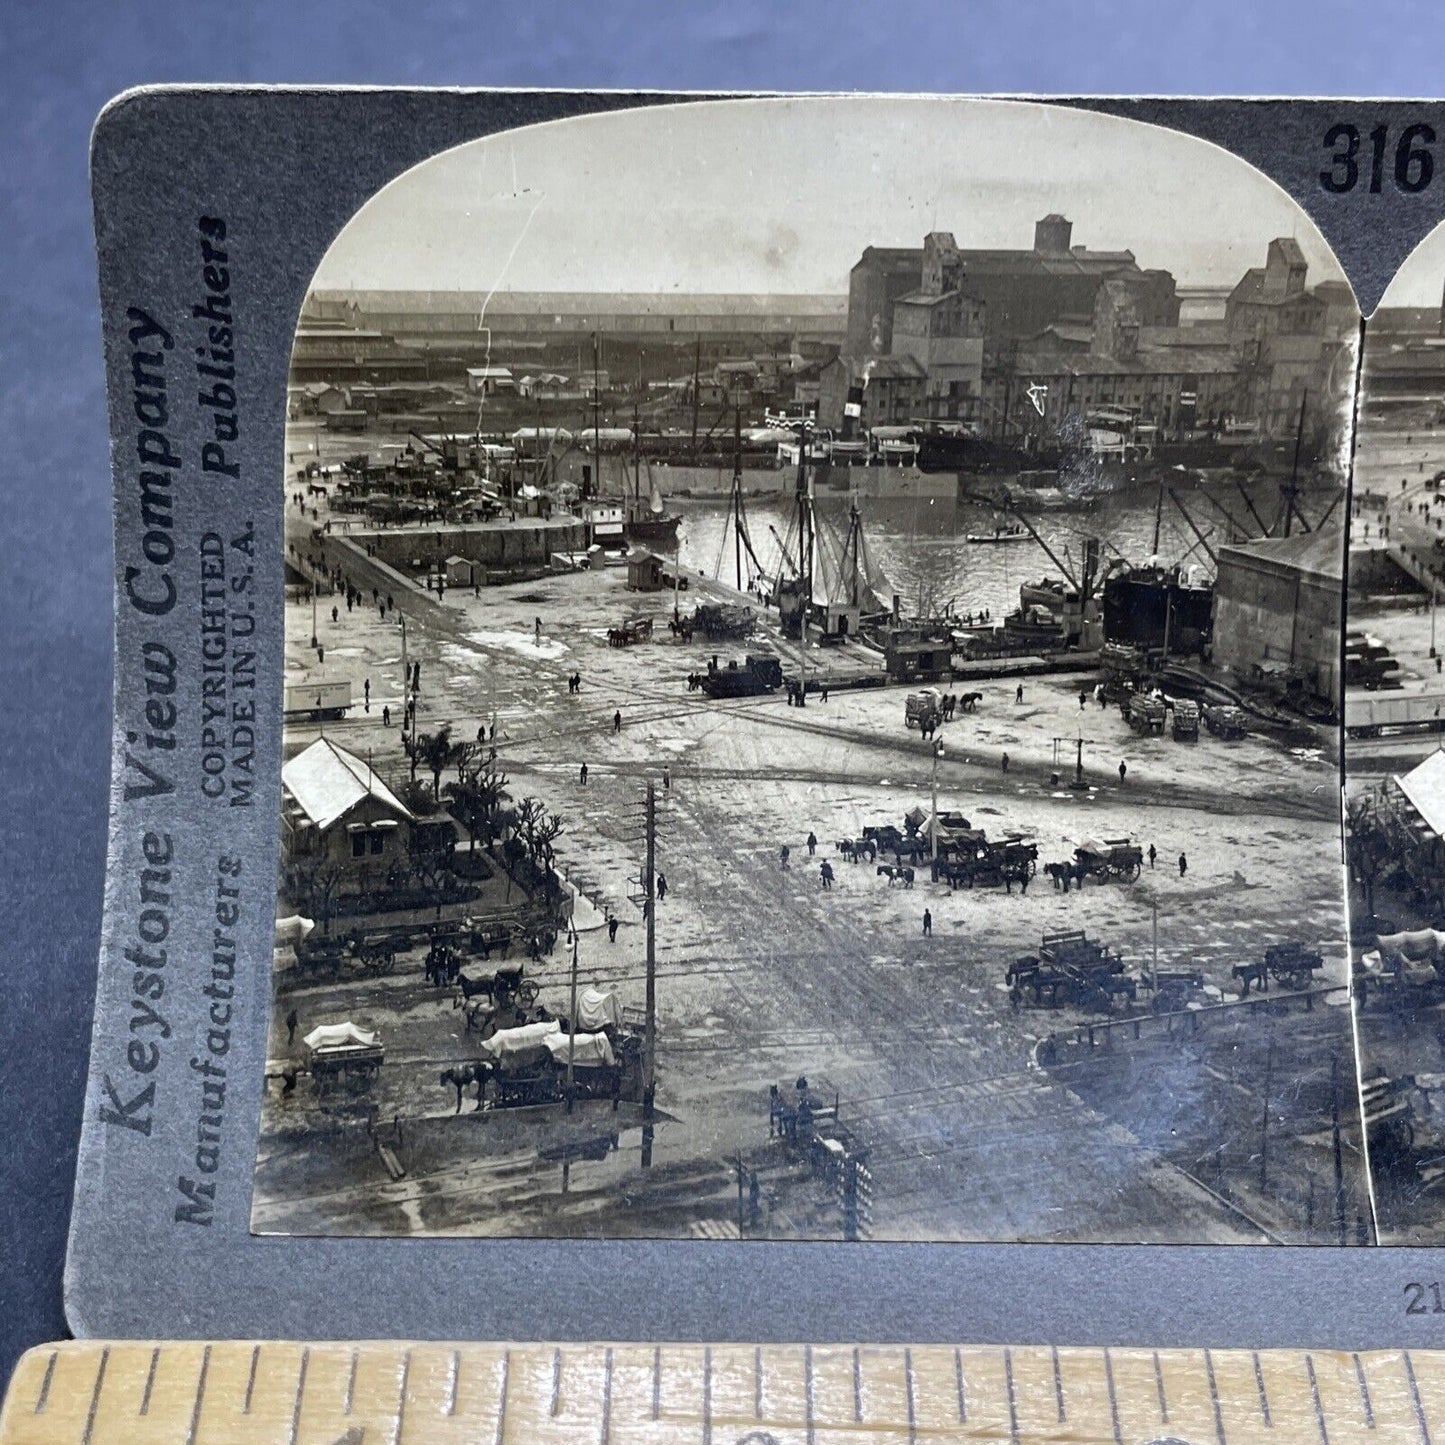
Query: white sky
1419, 280
780, 196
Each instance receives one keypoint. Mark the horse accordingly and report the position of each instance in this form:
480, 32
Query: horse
896, 874
1061, 873
969, 701
461, 1076
914, 847
1251, 973
848, 849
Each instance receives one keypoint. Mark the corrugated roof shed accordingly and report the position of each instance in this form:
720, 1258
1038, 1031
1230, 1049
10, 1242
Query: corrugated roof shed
327, 782
1425, 787
1320, 552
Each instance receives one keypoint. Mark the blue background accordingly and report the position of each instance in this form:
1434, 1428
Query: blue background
59, 63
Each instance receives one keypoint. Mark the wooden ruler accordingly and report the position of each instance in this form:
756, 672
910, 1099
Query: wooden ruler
240, 1393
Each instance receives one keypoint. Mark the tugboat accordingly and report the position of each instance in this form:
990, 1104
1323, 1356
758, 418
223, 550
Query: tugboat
1015, 533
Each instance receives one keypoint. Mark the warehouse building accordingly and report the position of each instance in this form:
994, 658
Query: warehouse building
1277, 606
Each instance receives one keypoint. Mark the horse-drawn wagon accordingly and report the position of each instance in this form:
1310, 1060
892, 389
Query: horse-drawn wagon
1223, 720
1071, 969
343, 1058
634, 630
1107, 859
354, 954
1185, 727
1145, 713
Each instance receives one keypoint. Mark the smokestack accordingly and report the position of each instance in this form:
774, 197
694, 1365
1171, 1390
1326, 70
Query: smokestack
1053, 234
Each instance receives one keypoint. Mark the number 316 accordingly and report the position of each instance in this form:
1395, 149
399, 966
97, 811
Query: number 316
1414, 162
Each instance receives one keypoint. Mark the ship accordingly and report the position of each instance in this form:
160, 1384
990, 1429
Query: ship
648, 524
1154, 606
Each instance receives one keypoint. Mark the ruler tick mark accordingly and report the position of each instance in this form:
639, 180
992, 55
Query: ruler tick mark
707, 1395
1364, 1384
1013, 1402
1263, 1398
1415, 1399
912, 1402
350, 1384
95, 1397
502, 1397
251, 1379
150, 1384
1059, 1386
808, 1392
301, 1391
1159, 1387
200, 1396
43, 1398
401, 1398
1315, 1396
962, 1389
1214, 1397
556, 1405
453, 1381
606, 1435
857, 1387
657, 1382
1113, 1397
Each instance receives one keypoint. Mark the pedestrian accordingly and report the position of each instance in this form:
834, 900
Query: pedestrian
1083, 699
1019, 693
386, 716
1183, 865
612, 928
617, 721
661, 887
1153, 854
1123, 770
539, 629
812, 844
823, 693
1004, 761
666, 779
582, 775
291, 1022
366, 693
784, 855
825, 873
927, 923
334, 617
321, 652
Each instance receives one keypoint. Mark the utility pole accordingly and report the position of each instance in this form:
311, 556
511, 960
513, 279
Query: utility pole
313, 612
649, 1036
1338, 1149
696, 375
737, 495
1264, 1124
933, 821
1292, 490
572, 1023
1154, 940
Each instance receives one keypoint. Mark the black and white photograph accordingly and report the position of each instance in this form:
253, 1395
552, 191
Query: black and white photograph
1394, 732
812, 694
